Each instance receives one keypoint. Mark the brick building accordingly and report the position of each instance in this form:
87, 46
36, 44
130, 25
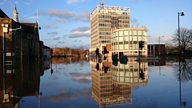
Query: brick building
156, 50
21, 56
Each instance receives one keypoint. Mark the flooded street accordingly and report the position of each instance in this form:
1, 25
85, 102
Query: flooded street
87, 84
95, 54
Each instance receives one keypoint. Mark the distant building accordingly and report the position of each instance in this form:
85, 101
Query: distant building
127, 40
47, 52
46, 57
103, 20
156, 50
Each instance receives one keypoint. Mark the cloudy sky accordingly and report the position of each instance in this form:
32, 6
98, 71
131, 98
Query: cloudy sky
65, 23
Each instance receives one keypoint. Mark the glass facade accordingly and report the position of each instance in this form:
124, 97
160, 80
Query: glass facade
127, 40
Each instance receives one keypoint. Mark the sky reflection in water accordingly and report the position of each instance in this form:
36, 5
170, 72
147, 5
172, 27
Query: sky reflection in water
70, 86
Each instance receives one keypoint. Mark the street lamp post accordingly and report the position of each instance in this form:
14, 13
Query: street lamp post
179, 35
159, 46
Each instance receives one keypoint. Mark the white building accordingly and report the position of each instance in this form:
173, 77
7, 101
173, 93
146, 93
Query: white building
127, 40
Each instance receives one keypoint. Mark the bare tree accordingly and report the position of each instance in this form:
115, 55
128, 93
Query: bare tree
185, 67
185, 38
190, 37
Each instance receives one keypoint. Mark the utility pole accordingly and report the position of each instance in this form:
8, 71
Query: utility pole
159, 47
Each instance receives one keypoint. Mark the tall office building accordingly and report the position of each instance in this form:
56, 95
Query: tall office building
103, 20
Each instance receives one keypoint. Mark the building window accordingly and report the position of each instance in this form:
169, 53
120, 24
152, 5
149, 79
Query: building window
125, 32
134, 32
156, 48
120, 33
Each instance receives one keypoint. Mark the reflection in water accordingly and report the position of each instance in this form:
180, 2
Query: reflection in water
122, 85
184, 74
185, 69
23, 80
112, 84
158, 62
66, 60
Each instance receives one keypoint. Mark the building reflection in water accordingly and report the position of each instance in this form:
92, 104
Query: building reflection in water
67, 60
112, 85
158, 62
23, 80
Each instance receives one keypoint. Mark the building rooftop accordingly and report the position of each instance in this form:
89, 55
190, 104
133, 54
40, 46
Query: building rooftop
115, 8
3, 15
29, 27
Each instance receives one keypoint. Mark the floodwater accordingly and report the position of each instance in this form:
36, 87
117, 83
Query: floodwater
87, 84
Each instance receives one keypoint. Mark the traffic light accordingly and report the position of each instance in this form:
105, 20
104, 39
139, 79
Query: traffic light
97, 66
105, 50
97, 51
142, 75
115, 59
123, 59
141, 44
